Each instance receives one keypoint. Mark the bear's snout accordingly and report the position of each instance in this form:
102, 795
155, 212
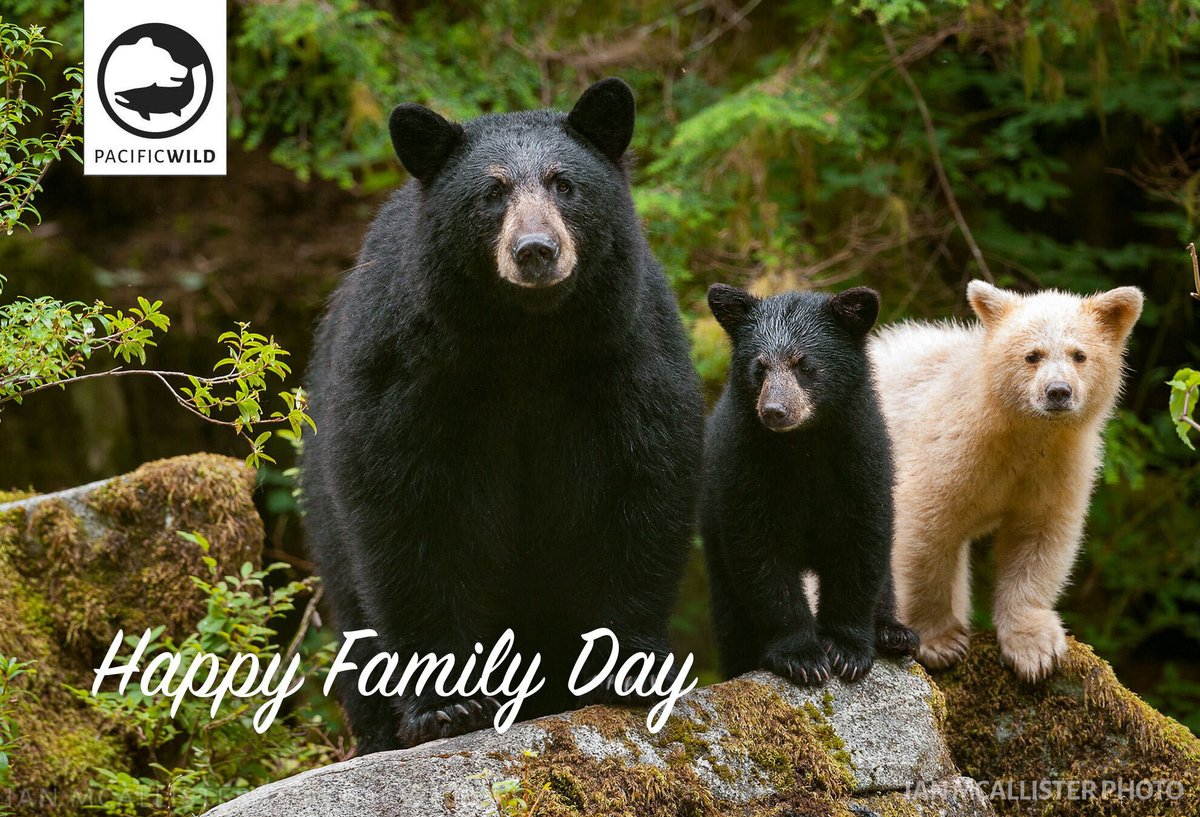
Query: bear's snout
536, 249
775, 415
1058, 395
782, 404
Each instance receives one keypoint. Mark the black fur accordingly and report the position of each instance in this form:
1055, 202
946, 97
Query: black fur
489, 456
817, 498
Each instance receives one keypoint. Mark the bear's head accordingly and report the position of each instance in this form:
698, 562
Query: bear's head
527, 199
798, 355
1054, 355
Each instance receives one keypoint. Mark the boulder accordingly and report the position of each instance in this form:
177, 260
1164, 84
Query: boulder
78, 565
756, 745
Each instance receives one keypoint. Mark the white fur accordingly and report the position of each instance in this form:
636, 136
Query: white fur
979, 450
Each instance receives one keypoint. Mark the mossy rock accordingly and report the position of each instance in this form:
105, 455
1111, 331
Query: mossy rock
79, 565
1078, 725
756, 746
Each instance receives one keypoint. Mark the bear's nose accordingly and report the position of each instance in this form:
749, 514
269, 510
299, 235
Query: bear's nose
1058, 393
774, 414
535, 248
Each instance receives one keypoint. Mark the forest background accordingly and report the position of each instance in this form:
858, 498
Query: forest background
909, 146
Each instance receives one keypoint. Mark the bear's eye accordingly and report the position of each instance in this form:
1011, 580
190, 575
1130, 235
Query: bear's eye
495, 191
563, 186
1079, 356
802, 365
1033, 357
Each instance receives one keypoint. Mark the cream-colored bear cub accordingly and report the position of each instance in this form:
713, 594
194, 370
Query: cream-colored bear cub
997, 428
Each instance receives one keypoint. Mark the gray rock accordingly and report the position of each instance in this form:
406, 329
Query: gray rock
726, 746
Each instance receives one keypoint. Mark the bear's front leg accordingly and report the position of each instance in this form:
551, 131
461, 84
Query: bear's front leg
1034, 554
426, 603
932, 575
892, 637
778, 616
850, 593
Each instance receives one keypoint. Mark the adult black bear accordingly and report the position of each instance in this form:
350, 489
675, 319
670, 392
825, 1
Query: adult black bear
798, 477
509, 422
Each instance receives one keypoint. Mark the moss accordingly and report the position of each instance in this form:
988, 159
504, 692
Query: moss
749, 729
936, 700
682, 736
129, 575
892, 804
794, 750
791, 747
1080, 724
449, 802
580, 784
72, 574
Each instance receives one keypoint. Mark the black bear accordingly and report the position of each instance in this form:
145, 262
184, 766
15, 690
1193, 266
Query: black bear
509, 424
798, 479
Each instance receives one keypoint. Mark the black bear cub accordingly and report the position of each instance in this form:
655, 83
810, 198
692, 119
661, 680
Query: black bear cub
798, 479
509, 421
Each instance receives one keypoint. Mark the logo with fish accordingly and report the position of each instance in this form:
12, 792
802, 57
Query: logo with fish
155, 80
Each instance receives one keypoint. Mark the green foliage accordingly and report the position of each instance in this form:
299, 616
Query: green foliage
25, 159
196, 761
784, 150
509, 796
309, 58
1185, 393
46, 342
10, 670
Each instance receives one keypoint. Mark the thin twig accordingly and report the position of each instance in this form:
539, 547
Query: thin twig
305, 619
718, 33
936, 155
1185, 415
1195, 270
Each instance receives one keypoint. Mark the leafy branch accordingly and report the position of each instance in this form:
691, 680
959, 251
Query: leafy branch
24, 160
45, 343
1185, 385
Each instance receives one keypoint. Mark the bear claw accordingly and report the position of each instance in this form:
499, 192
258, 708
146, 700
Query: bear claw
422, 725
805, 666
849, 661
944, 649
894, 638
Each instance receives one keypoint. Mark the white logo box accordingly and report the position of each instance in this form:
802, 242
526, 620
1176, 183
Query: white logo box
154, 88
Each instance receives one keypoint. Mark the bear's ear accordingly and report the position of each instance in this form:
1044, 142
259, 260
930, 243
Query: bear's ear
604, 116
1116, 311
990, 303
422, 139
856, 309
730, 306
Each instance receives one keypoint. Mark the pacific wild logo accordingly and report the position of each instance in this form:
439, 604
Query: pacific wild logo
155, 80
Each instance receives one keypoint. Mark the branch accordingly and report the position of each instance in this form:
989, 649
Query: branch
734, 21
1184, 416
162, 378
305, 620
1195, 269
76, 108
936, 155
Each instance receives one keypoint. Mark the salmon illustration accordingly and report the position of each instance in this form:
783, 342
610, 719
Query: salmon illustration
158, 99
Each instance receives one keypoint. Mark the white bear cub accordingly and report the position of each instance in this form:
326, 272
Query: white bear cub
996, 428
